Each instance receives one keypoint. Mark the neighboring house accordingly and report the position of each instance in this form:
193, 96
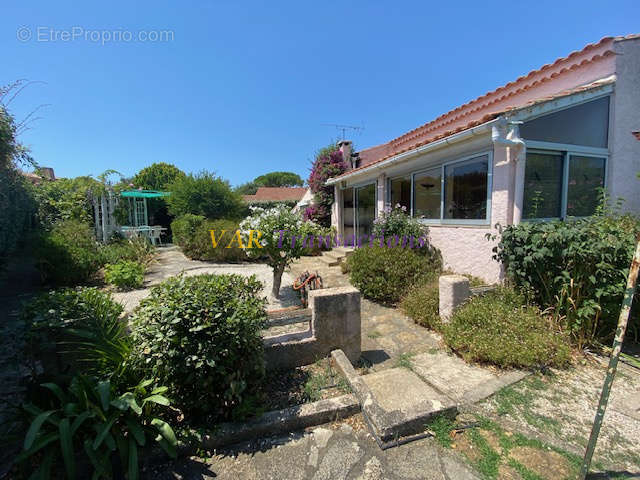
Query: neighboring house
537, 148
272, 195
45, 172
305, 201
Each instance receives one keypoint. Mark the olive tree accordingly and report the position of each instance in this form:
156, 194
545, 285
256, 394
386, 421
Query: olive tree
280, 236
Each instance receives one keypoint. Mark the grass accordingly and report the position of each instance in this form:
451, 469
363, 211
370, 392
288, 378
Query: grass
324, 377
441, 426
489, 460
374, 334
405, 360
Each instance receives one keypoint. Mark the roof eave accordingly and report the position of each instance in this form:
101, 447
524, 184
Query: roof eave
404, 156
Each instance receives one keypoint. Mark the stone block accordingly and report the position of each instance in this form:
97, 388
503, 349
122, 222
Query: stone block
453, 291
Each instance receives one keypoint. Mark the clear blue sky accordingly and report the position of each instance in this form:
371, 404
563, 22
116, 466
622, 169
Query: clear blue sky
244, 87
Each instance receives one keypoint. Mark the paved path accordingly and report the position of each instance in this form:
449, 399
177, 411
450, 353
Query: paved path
330, 452
170, 261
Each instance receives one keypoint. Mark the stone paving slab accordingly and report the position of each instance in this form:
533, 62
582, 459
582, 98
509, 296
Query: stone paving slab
407, 403
329, 452
460, 381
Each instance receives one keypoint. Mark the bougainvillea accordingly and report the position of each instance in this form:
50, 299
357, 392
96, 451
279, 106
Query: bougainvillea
328, 163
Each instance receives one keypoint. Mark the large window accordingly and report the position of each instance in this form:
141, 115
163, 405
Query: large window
455, 192
427, 192
400, 192
465, 187
561, 184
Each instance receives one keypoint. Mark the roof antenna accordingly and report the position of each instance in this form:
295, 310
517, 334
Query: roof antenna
344, 128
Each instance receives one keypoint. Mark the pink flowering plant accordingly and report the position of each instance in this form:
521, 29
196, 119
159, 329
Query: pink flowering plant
328, 163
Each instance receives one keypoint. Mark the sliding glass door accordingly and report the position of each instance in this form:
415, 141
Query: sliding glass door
358, 212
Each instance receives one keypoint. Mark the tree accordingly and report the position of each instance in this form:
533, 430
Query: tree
279, 234
273, 179
328, 163
279, 179
157, 176
203, 194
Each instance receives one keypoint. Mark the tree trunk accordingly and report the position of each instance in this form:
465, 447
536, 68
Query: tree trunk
277, 280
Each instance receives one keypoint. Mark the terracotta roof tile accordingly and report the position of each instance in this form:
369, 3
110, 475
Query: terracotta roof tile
276, 194
566, 75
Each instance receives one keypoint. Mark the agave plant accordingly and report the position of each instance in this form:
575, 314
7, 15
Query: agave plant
90, 421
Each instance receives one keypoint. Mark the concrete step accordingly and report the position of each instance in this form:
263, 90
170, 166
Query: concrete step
406, 403
346, 251
329, 261
334, 254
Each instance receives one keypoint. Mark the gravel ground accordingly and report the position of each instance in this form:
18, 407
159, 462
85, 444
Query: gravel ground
170, 261
560, 407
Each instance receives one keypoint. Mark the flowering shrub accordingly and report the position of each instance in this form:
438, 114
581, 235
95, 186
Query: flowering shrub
315, 213
282, 239
396, 221
328, 163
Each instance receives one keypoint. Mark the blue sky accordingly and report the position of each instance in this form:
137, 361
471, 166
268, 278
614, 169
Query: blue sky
244, 88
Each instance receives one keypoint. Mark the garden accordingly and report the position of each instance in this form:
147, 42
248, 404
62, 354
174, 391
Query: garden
106, 390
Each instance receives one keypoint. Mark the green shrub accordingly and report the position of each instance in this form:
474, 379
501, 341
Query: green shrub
135, 249
68, 254
125, 275
396, 222
500, 328
385, 274
193, 234
75, 431
200, 336
576, 268
76, 331
421, 304
203, 194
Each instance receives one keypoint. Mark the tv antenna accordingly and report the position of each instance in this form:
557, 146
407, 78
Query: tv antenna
344, 128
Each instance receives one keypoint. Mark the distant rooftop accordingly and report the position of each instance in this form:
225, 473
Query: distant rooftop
276, 194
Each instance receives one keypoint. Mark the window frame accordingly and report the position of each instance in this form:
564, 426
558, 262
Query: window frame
441, 165
566, 153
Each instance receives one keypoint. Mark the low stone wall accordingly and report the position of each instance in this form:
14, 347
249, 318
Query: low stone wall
335, 324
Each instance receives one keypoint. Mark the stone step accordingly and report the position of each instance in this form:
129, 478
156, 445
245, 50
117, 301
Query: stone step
334, 254
406, 403
346, 251
329, 261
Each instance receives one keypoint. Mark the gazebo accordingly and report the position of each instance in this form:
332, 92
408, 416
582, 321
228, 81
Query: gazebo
138, 214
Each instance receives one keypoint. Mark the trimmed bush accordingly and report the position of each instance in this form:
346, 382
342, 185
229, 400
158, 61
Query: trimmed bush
500, 328
575, 268
193, 234
125, 275
385, 274
75, 331
200, 336
422, 303
136, 249
68, 254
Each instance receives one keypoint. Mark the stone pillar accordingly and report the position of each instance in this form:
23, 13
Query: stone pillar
453, 291
336, 210
381, 194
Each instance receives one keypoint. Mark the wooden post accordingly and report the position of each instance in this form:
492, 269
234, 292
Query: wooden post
613, 361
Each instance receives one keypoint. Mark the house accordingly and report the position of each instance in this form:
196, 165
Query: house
536, 148
36, 178
270, 195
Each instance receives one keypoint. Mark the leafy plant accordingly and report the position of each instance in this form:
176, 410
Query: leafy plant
284, 237
135, 249
500, 328
203, 194
385, 274
577, 269
90, 420
76, 331
68, 254
328, 163
157, 176
125, 275
193, 234
422, 303
395, 225
200, 336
